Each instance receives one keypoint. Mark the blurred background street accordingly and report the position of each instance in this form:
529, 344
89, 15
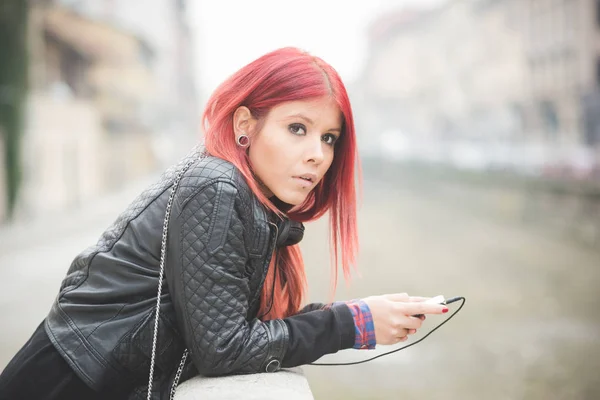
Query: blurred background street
529, 328
479, 129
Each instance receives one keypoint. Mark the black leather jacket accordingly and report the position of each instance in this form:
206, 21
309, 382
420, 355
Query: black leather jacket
219, 246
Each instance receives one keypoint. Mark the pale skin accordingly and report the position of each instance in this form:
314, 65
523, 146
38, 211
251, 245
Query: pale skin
290, 154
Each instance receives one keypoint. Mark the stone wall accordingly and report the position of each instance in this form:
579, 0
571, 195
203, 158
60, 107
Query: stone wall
287, 384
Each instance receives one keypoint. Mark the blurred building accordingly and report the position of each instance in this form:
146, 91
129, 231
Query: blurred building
437, 73
507, 73
562, 42
108, 104
164, 24
90, 84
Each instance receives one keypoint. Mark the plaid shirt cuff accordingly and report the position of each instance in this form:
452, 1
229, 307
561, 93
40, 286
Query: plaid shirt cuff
363, 324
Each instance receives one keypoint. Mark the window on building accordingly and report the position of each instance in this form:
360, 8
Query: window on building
549, 117
598, 72
591, 118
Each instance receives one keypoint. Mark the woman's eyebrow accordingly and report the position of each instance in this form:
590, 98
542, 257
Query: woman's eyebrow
310, 121
301, 116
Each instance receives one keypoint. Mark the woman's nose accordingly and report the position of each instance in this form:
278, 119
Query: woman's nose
314, 152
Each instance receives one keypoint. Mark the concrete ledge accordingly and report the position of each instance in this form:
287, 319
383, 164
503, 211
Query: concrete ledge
288, 384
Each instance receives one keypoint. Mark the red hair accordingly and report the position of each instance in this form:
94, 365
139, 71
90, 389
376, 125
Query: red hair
289, 74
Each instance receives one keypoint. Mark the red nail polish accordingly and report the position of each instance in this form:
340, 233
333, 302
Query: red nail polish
445, 310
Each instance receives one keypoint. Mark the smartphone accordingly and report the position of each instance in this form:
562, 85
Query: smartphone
436, 300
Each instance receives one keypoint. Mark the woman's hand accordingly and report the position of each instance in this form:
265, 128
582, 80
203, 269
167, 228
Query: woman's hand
393, 315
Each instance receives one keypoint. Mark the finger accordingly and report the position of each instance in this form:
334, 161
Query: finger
412, 331
417, 299
410, 323
422, 317
401, 338
397, 297
421, 308
399, 332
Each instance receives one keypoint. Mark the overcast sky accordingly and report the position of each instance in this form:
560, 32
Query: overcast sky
231, 33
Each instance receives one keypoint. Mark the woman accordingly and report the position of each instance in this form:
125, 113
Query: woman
279, 150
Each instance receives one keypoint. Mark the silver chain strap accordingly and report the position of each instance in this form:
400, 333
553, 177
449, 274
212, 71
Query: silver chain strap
163, 252
178, 374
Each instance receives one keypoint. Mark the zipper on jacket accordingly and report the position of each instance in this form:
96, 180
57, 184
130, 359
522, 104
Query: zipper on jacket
266, 265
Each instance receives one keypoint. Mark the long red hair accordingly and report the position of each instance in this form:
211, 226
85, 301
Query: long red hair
289, 74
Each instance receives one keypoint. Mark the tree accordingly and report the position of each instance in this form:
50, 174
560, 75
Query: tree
13, 88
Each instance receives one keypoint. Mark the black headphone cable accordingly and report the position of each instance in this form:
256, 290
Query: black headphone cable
451, 300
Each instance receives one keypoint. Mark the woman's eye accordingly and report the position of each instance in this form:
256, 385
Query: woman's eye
329, 139
297, 129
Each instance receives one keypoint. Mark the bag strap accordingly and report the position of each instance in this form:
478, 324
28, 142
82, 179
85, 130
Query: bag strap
163, 253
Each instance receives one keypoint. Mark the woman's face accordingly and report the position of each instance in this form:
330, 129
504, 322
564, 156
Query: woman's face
294, 147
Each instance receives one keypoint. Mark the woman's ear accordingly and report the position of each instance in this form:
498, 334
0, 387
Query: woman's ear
243, 122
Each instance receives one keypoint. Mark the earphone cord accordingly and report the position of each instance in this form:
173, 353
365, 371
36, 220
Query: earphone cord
452, 300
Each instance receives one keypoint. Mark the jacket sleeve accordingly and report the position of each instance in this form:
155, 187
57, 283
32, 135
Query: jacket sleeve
210, 293
312, 307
